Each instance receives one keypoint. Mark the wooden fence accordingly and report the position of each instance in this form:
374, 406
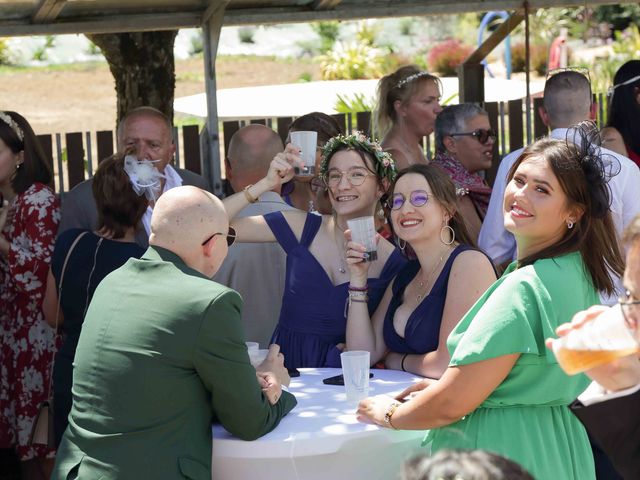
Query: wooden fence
75, 156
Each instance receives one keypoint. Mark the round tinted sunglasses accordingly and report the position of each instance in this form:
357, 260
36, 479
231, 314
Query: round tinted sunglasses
481, 134
231, 237
417, 198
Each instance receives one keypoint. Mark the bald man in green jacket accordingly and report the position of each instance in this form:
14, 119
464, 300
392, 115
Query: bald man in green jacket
162, 355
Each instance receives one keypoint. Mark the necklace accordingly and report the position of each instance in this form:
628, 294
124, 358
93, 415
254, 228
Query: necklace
424, 285
342, 268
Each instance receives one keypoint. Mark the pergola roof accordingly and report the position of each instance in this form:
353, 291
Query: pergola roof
49, 17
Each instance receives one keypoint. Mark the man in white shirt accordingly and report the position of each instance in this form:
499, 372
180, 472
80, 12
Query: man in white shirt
610, 407
150, 134
255, 270
567, 102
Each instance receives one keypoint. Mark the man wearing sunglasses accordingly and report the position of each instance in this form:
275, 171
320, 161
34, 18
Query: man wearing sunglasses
162, 355
255, 270
567, 102
610, 407
464, 148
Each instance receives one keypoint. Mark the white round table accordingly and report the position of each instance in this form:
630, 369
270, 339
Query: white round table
320, 438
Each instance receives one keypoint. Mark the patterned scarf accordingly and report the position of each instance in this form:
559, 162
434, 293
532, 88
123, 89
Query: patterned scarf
466, 183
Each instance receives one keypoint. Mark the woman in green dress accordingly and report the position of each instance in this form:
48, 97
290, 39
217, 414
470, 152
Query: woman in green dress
503, 390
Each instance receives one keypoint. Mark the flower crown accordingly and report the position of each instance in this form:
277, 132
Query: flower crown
384, 165
411, 78
6, 118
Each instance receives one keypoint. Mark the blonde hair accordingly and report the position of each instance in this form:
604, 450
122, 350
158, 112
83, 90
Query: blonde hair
401, 85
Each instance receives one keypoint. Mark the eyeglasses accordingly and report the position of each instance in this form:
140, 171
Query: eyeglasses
581, 70
481, 134
231, 237
610, 90
316, 184
417, 198
356, 176
626, 305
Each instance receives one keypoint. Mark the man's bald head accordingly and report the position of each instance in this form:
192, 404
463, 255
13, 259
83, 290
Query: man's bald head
182, 219
567, 99
251, 150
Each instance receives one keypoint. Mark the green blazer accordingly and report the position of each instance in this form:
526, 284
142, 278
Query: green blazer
161, 355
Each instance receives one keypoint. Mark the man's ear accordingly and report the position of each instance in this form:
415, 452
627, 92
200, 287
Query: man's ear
543, 115
207, 248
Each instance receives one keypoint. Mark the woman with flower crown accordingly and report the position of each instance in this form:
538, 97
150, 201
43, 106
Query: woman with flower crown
503, 391
357, 173
408, 104
29, 221
433, 291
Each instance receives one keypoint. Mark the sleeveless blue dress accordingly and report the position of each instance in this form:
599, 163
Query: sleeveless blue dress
312, 320
422, 331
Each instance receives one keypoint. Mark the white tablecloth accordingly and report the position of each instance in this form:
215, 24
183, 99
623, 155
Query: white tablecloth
320, 438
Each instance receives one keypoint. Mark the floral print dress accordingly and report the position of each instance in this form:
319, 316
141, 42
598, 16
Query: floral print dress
27, 343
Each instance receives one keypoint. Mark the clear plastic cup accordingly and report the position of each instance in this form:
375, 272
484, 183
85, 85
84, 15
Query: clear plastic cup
595, 343
307, 142
355, 370
363, 231
257, 356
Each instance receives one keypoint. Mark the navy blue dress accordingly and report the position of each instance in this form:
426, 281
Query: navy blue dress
111, 255
312, 320
422, 331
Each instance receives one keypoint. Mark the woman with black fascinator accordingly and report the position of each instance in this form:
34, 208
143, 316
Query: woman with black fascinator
503, 390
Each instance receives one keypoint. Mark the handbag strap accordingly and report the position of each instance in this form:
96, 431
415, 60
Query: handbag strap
64, 268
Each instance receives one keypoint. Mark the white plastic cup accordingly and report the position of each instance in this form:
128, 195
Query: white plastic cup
307, 142
595, 343
252, 345
355, 370
257, 356
363, 231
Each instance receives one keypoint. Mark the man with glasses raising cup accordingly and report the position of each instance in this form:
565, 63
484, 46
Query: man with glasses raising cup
610, 407
464, 146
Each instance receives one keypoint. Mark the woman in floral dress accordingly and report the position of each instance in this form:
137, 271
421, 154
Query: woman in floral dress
29, 218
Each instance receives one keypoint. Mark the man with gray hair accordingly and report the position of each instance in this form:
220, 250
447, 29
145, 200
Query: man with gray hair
255, 270
149, 134
464, 147
567, 102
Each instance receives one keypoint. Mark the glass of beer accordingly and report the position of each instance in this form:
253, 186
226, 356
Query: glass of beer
595, 343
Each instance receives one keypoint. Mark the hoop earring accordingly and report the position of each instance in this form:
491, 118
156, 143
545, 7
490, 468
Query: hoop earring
452, 235
402, 245
569, 225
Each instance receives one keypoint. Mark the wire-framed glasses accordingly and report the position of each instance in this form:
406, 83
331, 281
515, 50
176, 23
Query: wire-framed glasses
629, 309
417, 198
355, 176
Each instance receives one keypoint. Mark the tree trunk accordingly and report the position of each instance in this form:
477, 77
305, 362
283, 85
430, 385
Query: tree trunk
143, 67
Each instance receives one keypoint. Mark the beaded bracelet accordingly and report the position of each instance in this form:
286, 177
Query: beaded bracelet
389, 413
358, 289
357, 294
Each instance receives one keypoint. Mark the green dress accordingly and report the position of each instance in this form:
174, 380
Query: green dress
526, 417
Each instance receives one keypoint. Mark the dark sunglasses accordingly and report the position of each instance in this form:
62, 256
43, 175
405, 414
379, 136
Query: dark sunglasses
417, 198
481, 135
231, 237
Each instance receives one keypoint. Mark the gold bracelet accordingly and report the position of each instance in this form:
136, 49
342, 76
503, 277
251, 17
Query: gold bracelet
389, 413
250, 198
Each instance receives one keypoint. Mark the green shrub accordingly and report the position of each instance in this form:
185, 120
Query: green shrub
245, 34
328, 33
445, 57
358, 103
5, 58
196, 46
367, 32
538, 53
351, 62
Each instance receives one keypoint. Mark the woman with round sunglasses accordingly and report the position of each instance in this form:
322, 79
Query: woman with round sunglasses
408, 103
622, 131
503, 391
464, 148
312, 323
429, 296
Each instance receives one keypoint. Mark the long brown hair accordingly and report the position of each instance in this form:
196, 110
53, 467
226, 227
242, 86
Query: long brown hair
581, 176
444, 191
